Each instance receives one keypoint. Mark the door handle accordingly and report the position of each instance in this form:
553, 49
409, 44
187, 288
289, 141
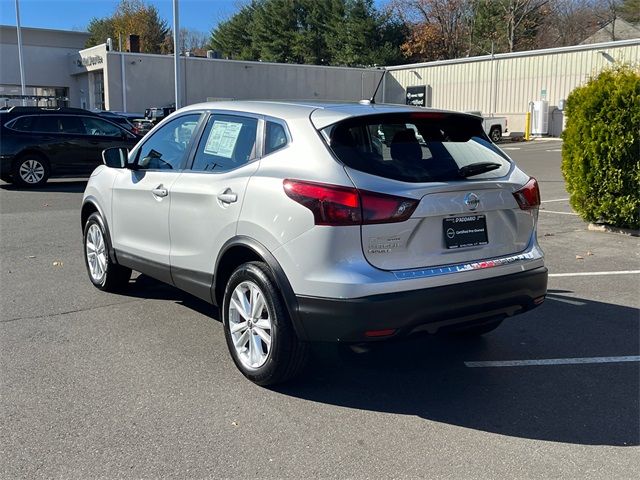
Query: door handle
160, 191
228, 196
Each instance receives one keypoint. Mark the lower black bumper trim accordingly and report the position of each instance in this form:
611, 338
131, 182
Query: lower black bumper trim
430, 309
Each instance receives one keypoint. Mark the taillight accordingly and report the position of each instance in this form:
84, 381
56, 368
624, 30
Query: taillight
528, 197
381, 208
337, 205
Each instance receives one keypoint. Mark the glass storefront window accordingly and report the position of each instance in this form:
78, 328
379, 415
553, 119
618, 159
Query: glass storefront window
35, 96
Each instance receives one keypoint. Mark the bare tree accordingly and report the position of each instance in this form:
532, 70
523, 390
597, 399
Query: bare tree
439, 28
193, 41
515, 13
569, 22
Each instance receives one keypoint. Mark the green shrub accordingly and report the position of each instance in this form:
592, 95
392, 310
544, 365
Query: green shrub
601, 150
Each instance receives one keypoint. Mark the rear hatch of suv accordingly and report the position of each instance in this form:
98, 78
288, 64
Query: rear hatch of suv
469, 201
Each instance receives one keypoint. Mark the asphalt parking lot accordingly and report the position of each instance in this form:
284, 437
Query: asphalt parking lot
141, 385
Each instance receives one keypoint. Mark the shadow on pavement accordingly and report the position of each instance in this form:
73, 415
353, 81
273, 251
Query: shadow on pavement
591, 404
147, 287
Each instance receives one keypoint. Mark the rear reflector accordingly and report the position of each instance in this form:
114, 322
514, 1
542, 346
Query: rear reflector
539, 300
380, 333
528, 197
338, 205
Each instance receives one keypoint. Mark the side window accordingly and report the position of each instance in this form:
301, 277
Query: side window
96, 126
24, 124
166, 149
47, 124
276, 138
70, 124
228, 142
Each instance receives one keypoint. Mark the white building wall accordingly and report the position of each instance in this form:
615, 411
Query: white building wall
505, 85
149, 81
45, 54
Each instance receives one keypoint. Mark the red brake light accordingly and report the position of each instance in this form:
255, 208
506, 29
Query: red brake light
427, 115
528, 197
330, 204
337, 205
381, 208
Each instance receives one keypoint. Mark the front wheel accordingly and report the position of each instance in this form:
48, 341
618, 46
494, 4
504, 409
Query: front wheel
257, 327
103, 272
495, 134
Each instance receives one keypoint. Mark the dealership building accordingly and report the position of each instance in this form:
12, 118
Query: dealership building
60, 71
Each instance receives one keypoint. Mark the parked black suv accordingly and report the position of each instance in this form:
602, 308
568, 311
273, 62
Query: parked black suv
39, 143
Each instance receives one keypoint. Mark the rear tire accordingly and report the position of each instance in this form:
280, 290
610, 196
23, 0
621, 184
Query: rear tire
103, 272
31, 170
478, 330
495, 134
257, 327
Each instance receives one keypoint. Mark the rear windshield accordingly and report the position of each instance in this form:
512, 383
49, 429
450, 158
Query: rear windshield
417, 147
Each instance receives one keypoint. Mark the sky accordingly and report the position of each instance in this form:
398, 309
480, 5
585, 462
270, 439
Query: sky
201, 15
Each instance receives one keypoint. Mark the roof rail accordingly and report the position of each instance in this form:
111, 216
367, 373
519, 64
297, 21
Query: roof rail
19, 109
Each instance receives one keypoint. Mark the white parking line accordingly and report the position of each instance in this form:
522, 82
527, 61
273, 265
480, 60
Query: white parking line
511, 148
565, 300
554, 361
589, 274
559, 213
555, 150
555, 200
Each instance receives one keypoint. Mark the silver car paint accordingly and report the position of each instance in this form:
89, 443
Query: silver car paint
317, 260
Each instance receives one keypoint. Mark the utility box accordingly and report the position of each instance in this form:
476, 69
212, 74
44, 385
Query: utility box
540, 118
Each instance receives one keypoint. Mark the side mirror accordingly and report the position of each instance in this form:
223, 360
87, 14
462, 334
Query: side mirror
115, 157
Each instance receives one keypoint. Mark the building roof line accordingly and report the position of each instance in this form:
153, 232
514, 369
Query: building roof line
56, 30
526, 53
239, 62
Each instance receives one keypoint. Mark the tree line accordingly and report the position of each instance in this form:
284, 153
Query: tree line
358, 33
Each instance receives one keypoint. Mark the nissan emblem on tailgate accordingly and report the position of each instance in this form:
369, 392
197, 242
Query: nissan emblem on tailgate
472, 201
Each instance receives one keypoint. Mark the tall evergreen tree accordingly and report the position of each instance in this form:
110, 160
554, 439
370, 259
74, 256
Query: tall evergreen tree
232, 38
322, 32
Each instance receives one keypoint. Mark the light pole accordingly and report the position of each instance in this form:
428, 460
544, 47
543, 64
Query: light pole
176, 52
20, 60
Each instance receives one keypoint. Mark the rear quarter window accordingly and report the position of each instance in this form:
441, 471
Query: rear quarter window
275, 138
22, 124
417, 147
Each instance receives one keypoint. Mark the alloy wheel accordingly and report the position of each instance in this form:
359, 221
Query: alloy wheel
31, 171
250, 325
96, 253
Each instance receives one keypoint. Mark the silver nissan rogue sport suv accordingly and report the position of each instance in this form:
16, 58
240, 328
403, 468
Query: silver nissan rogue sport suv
320, 222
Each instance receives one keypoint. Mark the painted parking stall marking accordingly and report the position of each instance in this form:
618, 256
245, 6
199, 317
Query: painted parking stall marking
553, 361
588, 274
565, 300
559, 213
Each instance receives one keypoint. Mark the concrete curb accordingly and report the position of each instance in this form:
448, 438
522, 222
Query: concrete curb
596, 227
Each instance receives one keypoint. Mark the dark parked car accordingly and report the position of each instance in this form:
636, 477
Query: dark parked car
118, 119
40, 143
157, 114
141, 126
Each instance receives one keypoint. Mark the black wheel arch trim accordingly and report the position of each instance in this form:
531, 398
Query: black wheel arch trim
280, 277
90, 199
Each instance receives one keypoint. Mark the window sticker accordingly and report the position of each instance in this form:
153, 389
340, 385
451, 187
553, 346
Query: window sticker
222, 138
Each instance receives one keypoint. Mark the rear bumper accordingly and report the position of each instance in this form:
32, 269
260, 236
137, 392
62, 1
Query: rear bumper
431, 309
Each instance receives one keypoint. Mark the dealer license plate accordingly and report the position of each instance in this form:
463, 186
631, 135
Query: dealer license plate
467, 231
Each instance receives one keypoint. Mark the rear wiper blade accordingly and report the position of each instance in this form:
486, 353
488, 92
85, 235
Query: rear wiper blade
477, 168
